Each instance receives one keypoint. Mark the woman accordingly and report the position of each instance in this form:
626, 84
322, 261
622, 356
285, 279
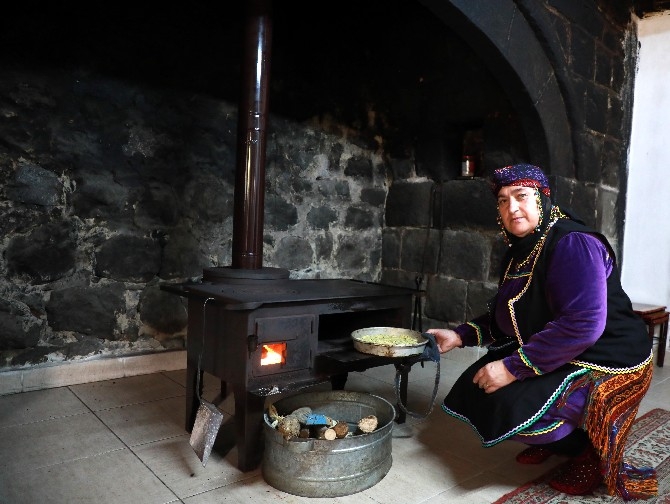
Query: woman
568, 360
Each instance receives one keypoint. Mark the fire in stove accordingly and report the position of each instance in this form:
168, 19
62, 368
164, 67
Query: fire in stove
273, 353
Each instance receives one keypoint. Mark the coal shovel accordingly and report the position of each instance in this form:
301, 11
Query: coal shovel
209, 418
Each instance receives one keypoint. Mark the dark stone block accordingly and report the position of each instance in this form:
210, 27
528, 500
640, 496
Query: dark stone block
302, 186
128, 258
597, 105
157, 206
321, 217
44, 255
208, 199
359, 167
334, 189
359, 219
479, 295
467, 203
86, 310
161, 310
498, 250
293, 253
84, 346
182, 256
584, 14
445, 298
408, 204
420, 250
584, 202
279, 213
354, 253
391, 248
334, 156
589, 157
465, 255
13, 335
373, 196
603, 68
33, 355
583, 52
399, 278
21, 220
98, 195
34, 185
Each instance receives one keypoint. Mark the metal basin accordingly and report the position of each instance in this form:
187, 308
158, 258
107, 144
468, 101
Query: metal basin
323, 468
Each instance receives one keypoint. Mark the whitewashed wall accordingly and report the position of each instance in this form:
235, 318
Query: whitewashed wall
646, 251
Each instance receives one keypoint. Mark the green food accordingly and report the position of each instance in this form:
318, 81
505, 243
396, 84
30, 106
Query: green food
389, 339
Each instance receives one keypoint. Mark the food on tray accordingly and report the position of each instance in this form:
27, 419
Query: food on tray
386, 339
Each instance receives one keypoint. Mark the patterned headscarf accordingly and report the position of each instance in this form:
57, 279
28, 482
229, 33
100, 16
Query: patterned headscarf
524, 175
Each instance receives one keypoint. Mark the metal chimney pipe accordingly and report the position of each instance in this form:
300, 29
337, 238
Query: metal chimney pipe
247, 251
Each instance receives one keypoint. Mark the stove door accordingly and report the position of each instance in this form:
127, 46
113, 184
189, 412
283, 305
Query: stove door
284, 344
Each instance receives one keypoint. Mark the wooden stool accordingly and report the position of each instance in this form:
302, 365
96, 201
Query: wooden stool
655, 315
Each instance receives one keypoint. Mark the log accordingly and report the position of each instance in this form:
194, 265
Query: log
323, 432
341, 429
367, 424
289, 427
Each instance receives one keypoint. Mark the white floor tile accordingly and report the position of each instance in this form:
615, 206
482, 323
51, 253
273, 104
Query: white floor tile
116, 477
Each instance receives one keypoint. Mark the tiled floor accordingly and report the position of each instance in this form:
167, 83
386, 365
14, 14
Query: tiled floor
123, 441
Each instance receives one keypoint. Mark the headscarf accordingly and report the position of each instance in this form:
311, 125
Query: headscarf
524, 175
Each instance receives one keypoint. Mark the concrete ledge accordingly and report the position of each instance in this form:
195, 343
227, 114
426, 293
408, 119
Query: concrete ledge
72, 373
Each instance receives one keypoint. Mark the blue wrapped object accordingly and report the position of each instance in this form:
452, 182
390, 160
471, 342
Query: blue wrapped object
316, 419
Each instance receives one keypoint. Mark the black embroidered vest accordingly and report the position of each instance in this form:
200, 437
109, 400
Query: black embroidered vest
624, 343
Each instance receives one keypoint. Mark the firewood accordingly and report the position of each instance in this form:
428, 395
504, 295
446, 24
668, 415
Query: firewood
289, 427
367, 424
324, 432
341, 429
273, 414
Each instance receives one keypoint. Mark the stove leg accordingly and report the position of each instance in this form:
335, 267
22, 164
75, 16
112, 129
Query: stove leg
402, 392
249, 428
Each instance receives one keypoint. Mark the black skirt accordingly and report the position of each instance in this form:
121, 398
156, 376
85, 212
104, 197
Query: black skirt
513, 408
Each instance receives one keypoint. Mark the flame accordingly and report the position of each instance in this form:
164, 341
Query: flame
273, 354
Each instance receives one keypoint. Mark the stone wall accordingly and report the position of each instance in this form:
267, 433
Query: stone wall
109, 189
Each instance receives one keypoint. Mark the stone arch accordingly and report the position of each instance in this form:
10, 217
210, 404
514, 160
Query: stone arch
505, 40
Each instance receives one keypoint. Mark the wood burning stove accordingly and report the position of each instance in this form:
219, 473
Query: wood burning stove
273, 336
252, 326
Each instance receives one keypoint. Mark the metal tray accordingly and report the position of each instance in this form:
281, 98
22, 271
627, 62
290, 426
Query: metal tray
388, 350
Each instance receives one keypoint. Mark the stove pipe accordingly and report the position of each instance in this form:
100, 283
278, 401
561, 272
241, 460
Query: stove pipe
247, 251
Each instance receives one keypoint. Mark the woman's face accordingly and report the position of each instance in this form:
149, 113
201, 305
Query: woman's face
518, 209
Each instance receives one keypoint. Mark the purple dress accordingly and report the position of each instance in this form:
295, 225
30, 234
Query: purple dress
577, 294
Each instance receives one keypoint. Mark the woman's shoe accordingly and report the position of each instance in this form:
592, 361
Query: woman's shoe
534, 455
580, 475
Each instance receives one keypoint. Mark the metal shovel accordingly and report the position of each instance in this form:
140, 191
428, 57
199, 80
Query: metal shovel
209, 418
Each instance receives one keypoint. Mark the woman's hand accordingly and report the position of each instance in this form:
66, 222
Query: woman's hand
493, 376
446, 339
